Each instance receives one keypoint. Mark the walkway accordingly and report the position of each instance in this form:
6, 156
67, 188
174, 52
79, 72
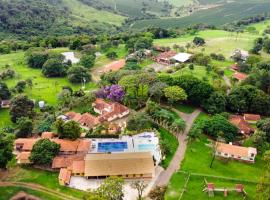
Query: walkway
39, 188
228, 83
179, 155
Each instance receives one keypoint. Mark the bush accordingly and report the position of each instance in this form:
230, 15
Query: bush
78, 74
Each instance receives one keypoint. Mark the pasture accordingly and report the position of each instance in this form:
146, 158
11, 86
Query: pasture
134, 8
84, 14
43, 88
217, 41
218, 16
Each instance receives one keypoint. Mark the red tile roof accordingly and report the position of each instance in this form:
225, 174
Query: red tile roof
23, 157
234, 67
88, 120
241, 124
47, 135
77, 167
66, 161
65, 175
167, 55
235, 150
240, 76
26, 143
252, 117
74, 116
109, 109
84, 146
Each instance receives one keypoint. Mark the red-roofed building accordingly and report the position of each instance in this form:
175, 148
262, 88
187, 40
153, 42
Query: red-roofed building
88, 120
23, 158
241, 124
252, 118
240, 76
165, 57
64, 176
65, 161
25, 144
109, 111
234, 67
246, 154
48, 135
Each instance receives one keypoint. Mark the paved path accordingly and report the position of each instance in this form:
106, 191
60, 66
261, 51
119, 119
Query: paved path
39, 188
179, 155
228, 83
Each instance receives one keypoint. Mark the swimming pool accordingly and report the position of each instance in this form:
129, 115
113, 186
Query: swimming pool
112, 146
146, 147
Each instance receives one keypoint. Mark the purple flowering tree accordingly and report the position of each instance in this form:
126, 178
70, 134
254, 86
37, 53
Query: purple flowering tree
114, 93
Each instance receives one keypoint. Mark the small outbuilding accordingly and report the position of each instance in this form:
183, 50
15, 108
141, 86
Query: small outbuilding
182, 57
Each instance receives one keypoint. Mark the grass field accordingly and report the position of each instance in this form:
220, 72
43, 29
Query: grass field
44, 178
196, 184
83, 13
8, 192
217, 41
201, 73
170, 139
218, 16
134, 8
43, 88
223, 173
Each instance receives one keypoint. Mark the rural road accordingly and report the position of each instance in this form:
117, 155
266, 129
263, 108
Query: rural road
179, 155
39, 188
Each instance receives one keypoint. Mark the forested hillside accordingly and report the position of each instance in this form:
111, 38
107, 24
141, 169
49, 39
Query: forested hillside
24, 18
51, 17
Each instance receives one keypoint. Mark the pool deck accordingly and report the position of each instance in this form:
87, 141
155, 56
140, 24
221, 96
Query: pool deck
143, 142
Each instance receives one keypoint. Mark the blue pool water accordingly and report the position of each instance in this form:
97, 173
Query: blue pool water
146, 147
112, 146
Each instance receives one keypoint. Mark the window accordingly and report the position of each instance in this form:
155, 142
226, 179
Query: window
232, 156
252, 155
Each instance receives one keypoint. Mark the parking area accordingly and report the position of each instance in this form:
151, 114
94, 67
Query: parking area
130, 193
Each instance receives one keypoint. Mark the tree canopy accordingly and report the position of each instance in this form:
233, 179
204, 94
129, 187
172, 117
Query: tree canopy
44, 151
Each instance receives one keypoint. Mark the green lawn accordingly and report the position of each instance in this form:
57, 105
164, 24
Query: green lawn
83, 14
200, 72
170, 139
197, 160
8, 192
44, 178
217, 41
4, 118
43, 88
196, 184
185, 108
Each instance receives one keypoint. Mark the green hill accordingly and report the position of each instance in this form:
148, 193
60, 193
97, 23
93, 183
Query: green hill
217, 15
53, 17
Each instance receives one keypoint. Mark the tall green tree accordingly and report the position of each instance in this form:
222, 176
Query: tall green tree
263, 188
88, 60
21, 106
24, 127
44, 151
175, 94
6, 148
4, 92
78, 74
68, 130
216, 103
54, 67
